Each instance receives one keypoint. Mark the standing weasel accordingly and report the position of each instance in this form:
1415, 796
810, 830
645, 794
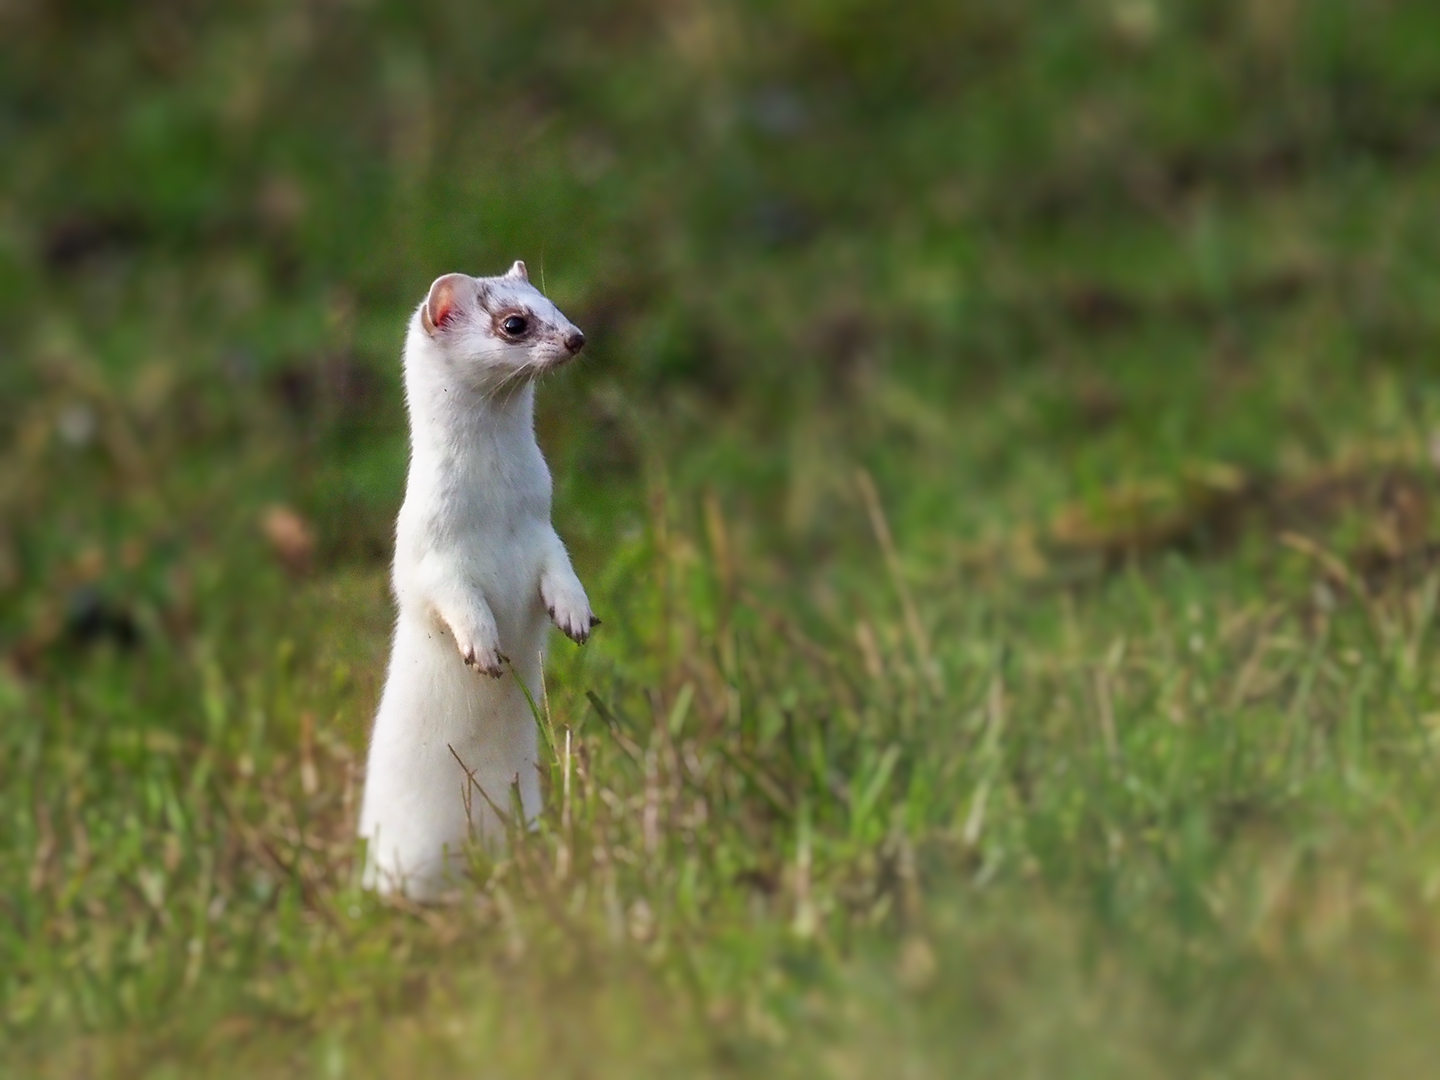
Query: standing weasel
478, 567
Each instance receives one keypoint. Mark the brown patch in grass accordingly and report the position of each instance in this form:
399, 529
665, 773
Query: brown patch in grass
1212, 506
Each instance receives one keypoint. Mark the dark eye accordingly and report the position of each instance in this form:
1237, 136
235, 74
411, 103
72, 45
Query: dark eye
515, 326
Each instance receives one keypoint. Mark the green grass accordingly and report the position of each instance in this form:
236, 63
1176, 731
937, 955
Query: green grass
1004, 462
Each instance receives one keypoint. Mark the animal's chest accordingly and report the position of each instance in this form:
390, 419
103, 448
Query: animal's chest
500, 543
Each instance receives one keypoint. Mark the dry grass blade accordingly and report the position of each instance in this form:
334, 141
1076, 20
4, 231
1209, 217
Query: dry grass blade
916, 629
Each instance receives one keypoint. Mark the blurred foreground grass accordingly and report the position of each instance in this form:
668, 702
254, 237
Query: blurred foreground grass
1004, 462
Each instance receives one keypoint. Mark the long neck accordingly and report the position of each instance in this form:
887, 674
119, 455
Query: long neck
461, 437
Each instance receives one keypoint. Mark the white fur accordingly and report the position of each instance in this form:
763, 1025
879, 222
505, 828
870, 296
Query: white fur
477, 569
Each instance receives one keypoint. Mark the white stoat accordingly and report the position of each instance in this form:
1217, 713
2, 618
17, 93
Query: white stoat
478, 567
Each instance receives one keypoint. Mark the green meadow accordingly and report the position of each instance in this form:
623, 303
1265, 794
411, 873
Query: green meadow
1006, 461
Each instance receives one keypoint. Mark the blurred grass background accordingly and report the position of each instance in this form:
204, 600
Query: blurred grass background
1004, 459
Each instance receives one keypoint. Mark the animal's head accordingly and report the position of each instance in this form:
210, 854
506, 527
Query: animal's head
497, 331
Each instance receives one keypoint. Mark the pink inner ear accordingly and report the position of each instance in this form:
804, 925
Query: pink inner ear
442, 303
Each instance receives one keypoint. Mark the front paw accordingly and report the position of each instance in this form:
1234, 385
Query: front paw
487, 660
568, 608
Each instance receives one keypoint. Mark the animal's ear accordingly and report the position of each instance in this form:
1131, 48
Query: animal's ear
519, 271
443, 303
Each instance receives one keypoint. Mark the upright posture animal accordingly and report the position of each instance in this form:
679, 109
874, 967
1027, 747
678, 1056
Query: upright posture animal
478, 573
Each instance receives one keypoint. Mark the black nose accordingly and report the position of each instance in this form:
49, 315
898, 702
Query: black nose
575, 342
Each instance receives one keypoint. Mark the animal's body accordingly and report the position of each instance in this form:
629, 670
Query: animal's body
479, 574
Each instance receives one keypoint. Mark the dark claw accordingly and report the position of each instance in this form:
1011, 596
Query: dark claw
594, 621
472, 660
